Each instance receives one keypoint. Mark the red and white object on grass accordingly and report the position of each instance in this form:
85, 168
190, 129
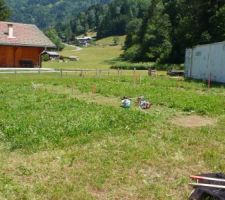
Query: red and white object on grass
206, 178
199, 178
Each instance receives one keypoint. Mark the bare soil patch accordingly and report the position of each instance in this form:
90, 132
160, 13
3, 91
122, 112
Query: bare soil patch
193, 121
76, 93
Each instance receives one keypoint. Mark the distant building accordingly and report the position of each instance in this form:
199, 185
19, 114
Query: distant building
206, 62
73, 58
53, 55
83, 41
21, 45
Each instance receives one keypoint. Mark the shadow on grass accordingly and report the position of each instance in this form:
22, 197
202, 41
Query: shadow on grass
114, 61
213, 84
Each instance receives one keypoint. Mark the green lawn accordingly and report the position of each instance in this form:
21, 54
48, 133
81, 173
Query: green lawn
100, 56
59, 140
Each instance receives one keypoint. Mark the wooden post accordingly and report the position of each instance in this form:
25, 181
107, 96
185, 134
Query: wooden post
93, 89
39, 71
134, 72
61, 72
149, 71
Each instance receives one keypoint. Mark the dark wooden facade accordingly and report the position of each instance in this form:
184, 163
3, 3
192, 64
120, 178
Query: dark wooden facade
16, 56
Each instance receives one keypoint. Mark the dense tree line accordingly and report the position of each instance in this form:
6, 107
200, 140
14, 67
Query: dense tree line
120, 13
4, 11
89, 20
109, 19
45, 13
169, 27
85, 21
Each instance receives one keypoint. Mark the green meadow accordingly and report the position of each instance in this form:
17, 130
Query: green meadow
100, 55
68, 138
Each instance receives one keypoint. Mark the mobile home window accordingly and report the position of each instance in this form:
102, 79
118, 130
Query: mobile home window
198, 53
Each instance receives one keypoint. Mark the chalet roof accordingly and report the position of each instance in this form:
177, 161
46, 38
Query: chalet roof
51, 53
24, 35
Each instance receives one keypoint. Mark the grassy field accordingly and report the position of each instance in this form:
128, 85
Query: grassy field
68, 138
99, 56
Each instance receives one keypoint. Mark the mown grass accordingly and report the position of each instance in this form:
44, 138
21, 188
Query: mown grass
97, 56
56, 145
186, 96
110, 40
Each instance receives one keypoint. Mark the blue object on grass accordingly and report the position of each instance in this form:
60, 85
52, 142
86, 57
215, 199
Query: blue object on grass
126, 103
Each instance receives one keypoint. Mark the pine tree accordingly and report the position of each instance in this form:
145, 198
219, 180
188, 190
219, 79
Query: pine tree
154, 36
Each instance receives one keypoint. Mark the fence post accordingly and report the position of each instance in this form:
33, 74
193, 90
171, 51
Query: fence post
149, 71
134, 71
93, 89
72, 87
61, 72
39, 71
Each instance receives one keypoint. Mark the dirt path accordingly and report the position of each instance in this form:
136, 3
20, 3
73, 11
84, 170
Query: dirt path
186, 121
87, 97
99, 99
193, 121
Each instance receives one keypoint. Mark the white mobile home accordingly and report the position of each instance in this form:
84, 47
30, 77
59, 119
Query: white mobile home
206, 62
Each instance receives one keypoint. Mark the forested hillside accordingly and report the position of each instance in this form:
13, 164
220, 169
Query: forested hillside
169, 27
110, 19
45, 13
157, 30
4, 11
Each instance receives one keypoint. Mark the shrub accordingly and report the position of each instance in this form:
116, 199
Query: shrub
45, 57
133, 53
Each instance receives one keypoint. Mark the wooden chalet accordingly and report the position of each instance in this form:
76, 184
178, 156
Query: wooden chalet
21, 45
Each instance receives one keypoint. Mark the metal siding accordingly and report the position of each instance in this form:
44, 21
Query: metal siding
221, 70
188, 62
217, 63
200, 62
207, 61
